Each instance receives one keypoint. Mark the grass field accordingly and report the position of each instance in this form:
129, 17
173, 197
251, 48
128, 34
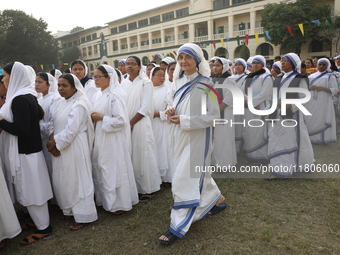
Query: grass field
286, 216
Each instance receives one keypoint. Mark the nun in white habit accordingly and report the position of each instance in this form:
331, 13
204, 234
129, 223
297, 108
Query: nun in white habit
289, 148
70, 143
114, 181
321, 124
161, 127
261, 83
195, 193
140, 105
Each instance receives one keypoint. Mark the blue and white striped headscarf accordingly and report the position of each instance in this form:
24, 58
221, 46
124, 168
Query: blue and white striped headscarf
294, 60
277, 65
327, 62
123, 61
260, 59
249, 62
242, 62
196, 52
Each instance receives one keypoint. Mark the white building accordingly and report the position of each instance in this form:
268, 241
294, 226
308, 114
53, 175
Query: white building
156, 33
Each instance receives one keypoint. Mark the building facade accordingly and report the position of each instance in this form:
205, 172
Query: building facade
228, 27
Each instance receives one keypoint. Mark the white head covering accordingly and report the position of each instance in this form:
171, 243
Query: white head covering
277, 65
196, 52
86, 69
261, 59
168, 60
21, 83
327, 62
31, 73
250, 61
225, 64
57, 74
123, 61
115, 86
294, 60
243, 63
213, 58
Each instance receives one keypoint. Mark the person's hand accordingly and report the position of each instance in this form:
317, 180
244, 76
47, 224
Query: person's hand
174, 119
170, 111
313, 87
97, 116
51, 147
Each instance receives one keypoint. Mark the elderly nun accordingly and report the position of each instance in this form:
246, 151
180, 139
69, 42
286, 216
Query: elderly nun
194, 191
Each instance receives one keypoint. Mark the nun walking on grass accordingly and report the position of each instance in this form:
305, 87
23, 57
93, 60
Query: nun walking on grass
195, 194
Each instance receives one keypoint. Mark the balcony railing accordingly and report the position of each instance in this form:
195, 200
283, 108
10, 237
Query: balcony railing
220, 36
201, 38
241, 32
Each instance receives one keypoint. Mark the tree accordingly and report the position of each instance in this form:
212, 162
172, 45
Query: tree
70, 54
331, 35
26, 39
276, 17
76, 29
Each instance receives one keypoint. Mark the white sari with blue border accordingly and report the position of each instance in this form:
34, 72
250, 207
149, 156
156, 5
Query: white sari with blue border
194, 193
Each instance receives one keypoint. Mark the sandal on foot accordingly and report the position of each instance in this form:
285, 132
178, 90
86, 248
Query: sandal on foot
146, 197
76, 226
171, 238
28, 226
33, 238
216, 209
120, 212
271, 178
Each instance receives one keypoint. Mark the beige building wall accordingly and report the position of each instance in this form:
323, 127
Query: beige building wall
203, 25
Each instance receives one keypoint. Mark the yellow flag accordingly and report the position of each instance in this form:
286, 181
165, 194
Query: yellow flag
222, 42
301, 28
257, 37
42, 67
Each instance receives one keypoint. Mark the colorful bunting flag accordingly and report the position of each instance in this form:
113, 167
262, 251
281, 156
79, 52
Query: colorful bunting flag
330, 22
278, 32
289, 28
301, 29
175, 53
214, 44
222, 42
228, 39
238, 40
267, 34
257, 38
316, 22
42, 67
247, 39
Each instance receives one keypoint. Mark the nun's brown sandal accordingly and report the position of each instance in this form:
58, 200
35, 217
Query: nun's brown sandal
28, 226
32, 238
76, 226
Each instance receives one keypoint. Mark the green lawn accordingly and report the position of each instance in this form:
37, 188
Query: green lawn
287, 216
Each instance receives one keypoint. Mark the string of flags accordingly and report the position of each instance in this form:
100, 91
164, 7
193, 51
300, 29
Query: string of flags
266, 33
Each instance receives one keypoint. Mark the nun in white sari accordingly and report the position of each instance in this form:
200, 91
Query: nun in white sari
289, 148
194, 191
71, 144
114, 181
321, 124
161, 127
140, 105
261, 83
46, 101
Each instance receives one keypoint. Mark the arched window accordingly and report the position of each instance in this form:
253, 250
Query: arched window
242, 51
222, 51
265, 49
